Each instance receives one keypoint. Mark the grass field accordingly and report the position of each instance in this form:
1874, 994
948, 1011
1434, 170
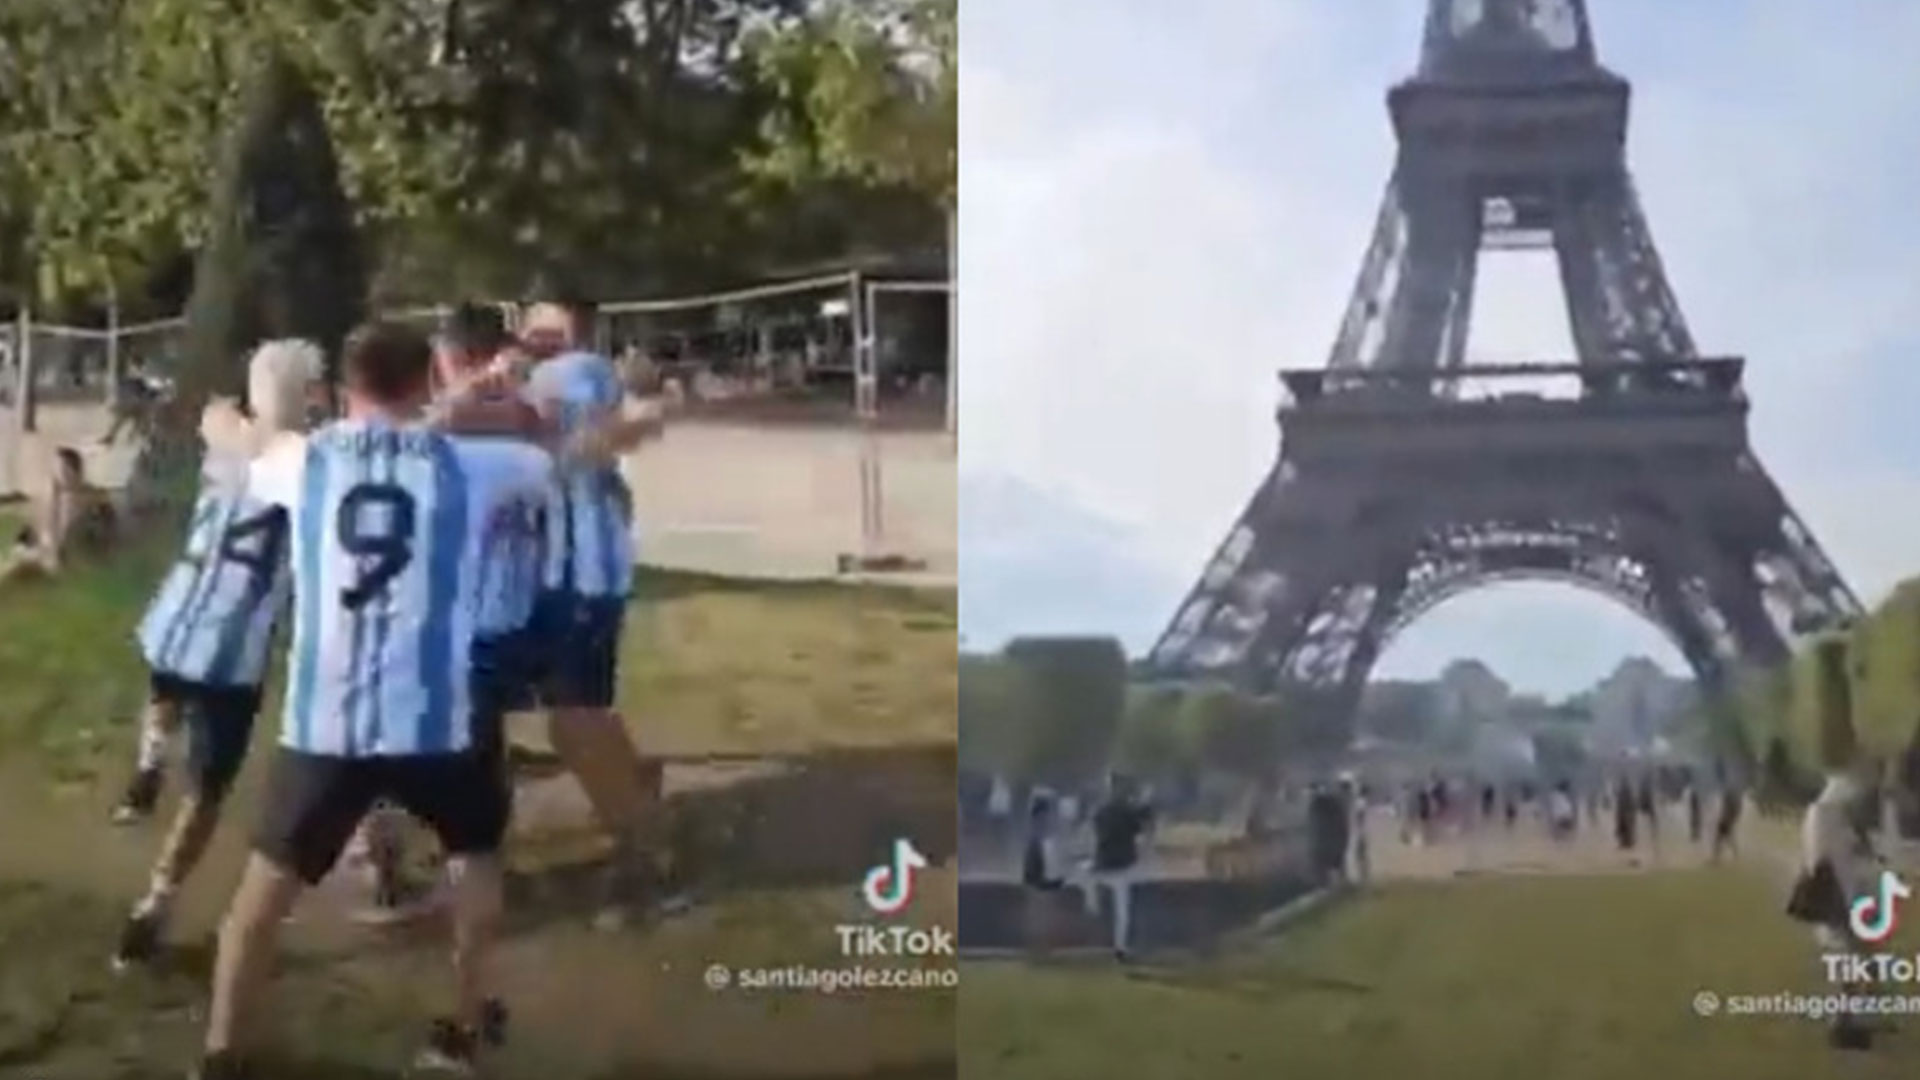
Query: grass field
1531, 978
710, 668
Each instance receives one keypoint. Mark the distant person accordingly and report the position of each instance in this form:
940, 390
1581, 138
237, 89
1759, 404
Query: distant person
1000, 810
74, 522
1041, 876
136, 404
1837, 863
1327, 833
1117, 828
1362, 853
1560, 812
1726, 823
1650, 807
25, 559
1488, 797
1423, 814
1695, 813
1625, 814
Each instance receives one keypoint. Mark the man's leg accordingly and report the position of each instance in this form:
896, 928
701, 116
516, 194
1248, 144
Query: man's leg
221, 728
591, 738
313, 805
461, 799
159, 722
248, 936
1121, 883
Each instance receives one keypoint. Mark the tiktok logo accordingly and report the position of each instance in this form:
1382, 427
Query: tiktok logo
1872, 918
888, 888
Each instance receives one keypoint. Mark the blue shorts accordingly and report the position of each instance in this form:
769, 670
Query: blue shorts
579, 649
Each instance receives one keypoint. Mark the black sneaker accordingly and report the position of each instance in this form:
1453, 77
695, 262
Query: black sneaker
493, 1022
224, 1065
451, 1050
143, 793
139, 938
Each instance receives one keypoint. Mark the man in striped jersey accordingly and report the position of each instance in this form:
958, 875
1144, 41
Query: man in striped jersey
205, 635
585, 586
476, 395
387, 517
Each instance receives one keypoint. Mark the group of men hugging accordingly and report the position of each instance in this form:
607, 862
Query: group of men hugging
454, 546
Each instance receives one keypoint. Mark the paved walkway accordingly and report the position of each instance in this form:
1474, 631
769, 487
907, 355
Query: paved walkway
1526, 848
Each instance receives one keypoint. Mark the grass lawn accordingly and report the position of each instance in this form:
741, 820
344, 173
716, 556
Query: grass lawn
1529, 978
710, 667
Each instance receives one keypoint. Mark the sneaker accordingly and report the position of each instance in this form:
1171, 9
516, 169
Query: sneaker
143, 793
224, 1065
140, 938
451, 1050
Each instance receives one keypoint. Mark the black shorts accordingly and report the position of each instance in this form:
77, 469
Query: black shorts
506, 669
219, 723
315, 803
578, 649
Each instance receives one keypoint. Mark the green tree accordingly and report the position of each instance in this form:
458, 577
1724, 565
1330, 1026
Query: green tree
1153, 742
1074, 690
1236, 735
281, 259
994, 729
865, 90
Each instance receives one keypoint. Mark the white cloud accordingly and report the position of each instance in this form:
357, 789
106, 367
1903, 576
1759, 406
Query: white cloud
1162, 206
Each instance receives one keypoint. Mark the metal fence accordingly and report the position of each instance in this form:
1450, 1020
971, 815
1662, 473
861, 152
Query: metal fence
870, 349
878, 341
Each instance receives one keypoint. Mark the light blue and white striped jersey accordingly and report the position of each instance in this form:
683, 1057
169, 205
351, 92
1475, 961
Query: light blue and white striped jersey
512, 562
589, 549
213, 618
387, 525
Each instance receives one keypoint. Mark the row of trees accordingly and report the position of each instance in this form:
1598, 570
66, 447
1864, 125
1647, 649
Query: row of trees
1061, 711
1849, 694
634, 145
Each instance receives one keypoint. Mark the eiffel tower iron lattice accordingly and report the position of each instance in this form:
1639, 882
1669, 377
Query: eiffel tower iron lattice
1405, 478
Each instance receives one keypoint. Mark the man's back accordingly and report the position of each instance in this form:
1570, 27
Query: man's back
387, 524
213, 616
1116, 833
589, 514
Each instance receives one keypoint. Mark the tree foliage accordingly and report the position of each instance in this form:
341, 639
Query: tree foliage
867, 91
993, 716
1841, 698
1073, 691
478, 140
1155, 740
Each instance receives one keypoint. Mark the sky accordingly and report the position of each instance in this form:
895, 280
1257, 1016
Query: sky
1164, 204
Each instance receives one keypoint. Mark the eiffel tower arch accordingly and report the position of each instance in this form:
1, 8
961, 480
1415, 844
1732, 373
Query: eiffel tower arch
1407, 476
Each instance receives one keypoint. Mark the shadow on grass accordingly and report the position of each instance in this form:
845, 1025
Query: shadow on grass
819, 820
652, 583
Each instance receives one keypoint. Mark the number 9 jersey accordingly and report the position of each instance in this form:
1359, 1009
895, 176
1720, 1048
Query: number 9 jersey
388, 524
213, 618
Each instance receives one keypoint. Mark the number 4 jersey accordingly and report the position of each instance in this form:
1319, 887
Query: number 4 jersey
388, 523
214, 615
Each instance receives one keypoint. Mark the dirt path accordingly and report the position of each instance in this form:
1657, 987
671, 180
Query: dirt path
587, 1003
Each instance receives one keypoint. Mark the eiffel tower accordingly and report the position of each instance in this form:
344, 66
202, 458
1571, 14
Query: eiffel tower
1406, 477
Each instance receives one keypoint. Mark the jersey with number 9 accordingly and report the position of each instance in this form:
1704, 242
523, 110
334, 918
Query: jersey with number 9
214, 614
388, 523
